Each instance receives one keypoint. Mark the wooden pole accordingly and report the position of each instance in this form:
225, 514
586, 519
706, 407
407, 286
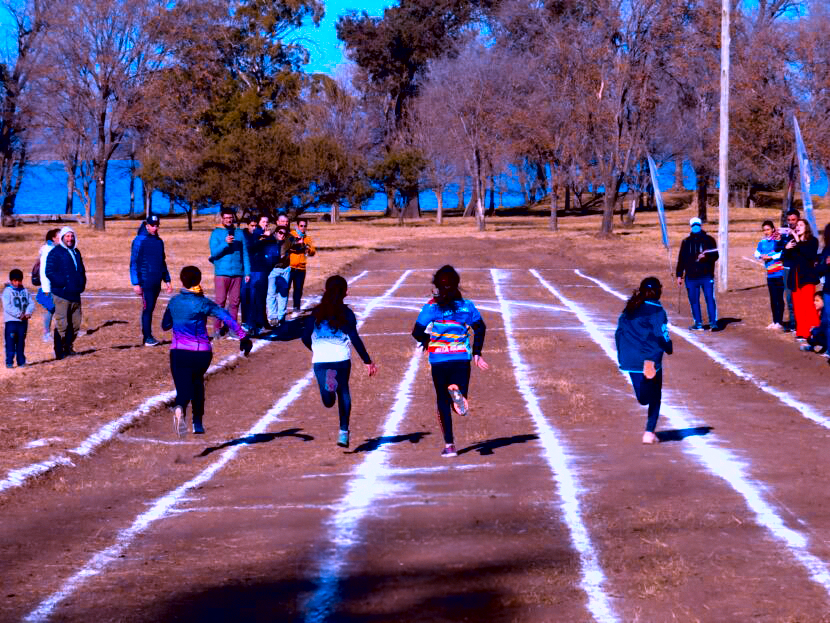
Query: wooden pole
723, 173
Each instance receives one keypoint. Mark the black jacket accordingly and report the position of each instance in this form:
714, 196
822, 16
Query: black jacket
688, 265
68, 277
148, 264
801, 260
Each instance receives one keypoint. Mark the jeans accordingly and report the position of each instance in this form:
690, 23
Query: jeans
776, 298
15, 334
277, 297
149, 296
788, 296
188, 368
693, 287
649, 392
297, 280
342, 370
253, 300
444, 374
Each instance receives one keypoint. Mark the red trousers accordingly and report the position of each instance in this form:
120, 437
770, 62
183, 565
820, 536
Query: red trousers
806, 314
227, 290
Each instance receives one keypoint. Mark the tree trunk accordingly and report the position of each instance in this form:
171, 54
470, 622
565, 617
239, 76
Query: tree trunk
100, 175
148, 200
439, 200
71, 170
702, 192
479, 182
609, 202
334, 215
553, 222
678, 174
189, 216
469, 210
461, 183
412, 206
132, 187
171, 210
541, 179
523, 184
390, 203
567, 198
491, 210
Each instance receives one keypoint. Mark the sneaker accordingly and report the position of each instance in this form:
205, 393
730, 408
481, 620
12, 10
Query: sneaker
343, 439
650, 438
10, 366
459, 403
151, 341
697, 327
806, 348
179, 423
775, 326
649, 369
198, 429
449, 451
331, 380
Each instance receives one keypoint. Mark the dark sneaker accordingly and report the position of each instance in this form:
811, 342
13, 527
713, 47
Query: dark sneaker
449, 451
198, 429
10, 366
459, 403
697, 327
179, 423
343, 439
331, 380
151, 341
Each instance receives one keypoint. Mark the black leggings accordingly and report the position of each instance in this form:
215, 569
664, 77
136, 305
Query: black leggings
188, 368
296, 281
776, 298
342, 370
649, 392
444, 374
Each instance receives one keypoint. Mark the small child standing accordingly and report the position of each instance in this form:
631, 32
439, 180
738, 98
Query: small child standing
18, 306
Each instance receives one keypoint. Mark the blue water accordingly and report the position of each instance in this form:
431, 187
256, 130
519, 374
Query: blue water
43, 190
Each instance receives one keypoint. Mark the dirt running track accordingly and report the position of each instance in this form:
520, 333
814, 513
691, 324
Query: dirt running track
553, 510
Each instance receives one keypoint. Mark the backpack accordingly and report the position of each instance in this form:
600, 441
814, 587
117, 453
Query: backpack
36, 273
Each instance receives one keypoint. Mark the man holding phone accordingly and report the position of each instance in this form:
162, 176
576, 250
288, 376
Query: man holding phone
696, 263
231, 264
786, 235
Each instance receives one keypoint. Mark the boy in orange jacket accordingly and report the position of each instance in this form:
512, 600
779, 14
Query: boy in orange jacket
302, 247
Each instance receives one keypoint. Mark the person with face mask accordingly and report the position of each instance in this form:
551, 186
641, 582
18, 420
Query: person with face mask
696, 264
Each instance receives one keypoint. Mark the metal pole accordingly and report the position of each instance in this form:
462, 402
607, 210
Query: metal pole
723, 173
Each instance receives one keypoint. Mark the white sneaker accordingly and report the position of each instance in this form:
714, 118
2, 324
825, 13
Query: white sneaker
775, 326
179, 421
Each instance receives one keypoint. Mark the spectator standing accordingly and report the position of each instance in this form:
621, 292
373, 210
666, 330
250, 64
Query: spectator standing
800, 256
44, 293
280, 258
302, 247
231, 265
67, 279
148, 268
696, 264
261, 245
18, 306
786, 234
823, 270
766, 251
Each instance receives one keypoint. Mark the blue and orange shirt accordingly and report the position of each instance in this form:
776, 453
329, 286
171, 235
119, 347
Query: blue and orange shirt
445, 331
186, 315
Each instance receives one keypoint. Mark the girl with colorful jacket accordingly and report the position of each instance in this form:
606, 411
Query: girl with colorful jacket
443, 329
767, 253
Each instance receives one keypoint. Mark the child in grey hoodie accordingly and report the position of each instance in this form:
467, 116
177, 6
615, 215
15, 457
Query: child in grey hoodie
18, 306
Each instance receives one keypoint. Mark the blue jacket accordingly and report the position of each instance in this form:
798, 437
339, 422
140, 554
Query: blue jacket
642, 335
445, 331
229, 260
187, 314
261, 251
66, 273
148, 264
775, 266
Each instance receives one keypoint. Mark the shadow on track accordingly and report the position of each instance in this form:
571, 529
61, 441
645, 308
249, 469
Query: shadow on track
681, 433
258, 438
371, 445
487, 447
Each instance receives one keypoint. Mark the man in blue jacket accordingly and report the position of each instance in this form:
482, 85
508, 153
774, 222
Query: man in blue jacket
67, 278
229, 255
148, 268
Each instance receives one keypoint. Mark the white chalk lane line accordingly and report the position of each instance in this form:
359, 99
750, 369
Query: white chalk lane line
568, 488
718, 461
162, 507
806, 410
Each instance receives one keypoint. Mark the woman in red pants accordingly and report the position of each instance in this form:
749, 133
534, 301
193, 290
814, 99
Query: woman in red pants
800, 255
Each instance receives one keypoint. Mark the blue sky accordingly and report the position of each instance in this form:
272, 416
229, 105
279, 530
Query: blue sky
325, 50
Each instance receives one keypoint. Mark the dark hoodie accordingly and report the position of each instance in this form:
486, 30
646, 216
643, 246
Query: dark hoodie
642, 335
688, 265
65, 269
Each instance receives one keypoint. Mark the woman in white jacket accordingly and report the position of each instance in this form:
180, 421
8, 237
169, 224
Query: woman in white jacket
44, 294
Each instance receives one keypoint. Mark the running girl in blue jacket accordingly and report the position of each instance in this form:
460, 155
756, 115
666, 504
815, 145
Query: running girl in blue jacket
443, 328
642, 337
190, 352
330, 332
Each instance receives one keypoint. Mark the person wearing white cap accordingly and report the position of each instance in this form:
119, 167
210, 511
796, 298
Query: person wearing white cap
696, 264
67, 278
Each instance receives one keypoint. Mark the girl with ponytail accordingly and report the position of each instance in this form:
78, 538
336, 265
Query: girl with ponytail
329, 333
642, 337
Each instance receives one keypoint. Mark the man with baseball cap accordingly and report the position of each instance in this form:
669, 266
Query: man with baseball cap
148, 268
696, 263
